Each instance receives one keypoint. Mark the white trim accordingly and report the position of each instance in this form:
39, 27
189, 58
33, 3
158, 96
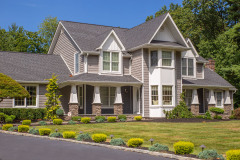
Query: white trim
173, 92
74, 63
192, 46
143, 86
194, 67
79, 105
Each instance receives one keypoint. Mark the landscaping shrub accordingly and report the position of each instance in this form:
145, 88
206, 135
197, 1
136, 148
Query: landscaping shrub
23, 128
232, 117
158, 147
200, 116
71, 122
217, 117
85, 120
100, 118
182, 147
42, 123
56, 135
122, 120
207, 115
135, 142
122, 117
233, 154
13, 129
111, 119
8, 119
138, 118
76, 118
44, 131
59, 112
2, 116
99, 138
83, 137
57, 121
5, 127
26, 122
34, 131
117, 142
69, 134
210, 154
237, 113
217, 110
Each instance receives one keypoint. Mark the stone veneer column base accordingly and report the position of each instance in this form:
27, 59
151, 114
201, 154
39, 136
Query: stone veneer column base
118, 109
73, 108
195, 109
96, 109
227, 111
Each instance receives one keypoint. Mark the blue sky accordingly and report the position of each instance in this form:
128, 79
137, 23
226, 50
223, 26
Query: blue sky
121, 13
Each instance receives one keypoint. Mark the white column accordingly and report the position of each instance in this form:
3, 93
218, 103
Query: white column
118, 98
97, 98
195, 97
73, 94
227, 97
212, 98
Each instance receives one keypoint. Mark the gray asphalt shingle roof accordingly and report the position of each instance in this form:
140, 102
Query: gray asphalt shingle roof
167, 43
211, 78
201, 59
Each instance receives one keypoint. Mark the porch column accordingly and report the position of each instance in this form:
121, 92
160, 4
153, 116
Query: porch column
118, 105
96, 105
212, 102
73, 102
227, 105
195, 103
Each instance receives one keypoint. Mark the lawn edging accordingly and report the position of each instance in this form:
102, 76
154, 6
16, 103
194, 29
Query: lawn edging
166, 155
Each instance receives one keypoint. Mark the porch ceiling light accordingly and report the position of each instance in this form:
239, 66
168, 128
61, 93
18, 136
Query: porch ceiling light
151, 140
203, 147
111, 136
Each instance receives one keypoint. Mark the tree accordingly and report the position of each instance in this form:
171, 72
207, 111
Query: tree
47, 30
233, 11
9, 88
52, 103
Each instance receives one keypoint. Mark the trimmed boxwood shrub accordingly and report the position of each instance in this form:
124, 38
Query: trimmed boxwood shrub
57, 121
182, 147
44, 131
56, 135
13, 129
42, 123
135, 142
76, 118
26, 122
69, 134
59, 112
111, 119
8, 119
158, 147
23, 128
99, 138
217, 110
71, 122
5, 127
122, 117
233, 154
34, 131
210, 154
86, 120
138, 118
83, 137
217, 117
117, 142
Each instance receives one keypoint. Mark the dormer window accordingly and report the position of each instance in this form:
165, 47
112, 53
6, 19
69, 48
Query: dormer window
111, 61
76, 62
187, 67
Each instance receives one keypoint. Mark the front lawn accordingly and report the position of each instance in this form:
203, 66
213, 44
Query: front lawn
221, 136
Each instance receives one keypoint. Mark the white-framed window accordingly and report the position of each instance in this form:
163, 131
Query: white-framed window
154, 58
167, 95
218, 97
166, 58
111, 61
76, 62
187, 66
80, 97
107, 95
188, 97
28, 102
154, 95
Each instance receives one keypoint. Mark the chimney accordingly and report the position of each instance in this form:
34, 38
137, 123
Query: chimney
210, 64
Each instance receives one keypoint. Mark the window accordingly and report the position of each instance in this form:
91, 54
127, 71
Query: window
154, 58
154, 95
166, 58
107, 96
187, 67
80, 97
167, 95
76, 63
188, 97
218, 96
28, 102
111, 61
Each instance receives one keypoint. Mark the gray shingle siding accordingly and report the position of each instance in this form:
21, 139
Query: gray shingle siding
199, 73
126, 66
146, 81
136, 68
93, 64
178, 76
42, 97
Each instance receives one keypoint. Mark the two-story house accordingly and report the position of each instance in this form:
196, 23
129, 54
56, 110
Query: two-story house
112, 70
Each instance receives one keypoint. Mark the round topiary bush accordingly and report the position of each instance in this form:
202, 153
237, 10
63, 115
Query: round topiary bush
138, 118
8, 119
26, 122
23, 128
85, 120
135, 142
99, 137
182, 147
59, 112
44, 131
233, 154
69, 134
217, 110
5, 127
76, 118
111, 119
57, 121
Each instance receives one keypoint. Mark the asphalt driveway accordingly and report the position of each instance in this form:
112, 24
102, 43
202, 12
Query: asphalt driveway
14, 147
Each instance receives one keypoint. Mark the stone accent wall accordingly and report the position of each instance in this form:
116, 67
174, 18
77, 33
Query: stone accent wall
96, 109
195, 109
73, 108
118, 109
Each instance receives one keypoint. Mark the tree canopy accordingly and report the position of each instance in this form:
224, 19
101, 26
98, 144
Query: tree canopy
9, 88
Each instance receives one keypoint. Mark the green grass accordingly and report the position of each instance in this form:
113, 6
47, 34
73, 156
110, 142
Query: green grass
221, 136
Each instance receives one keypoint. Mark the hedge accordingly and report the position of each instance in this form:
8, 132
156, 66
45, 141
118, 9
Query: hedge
25, 113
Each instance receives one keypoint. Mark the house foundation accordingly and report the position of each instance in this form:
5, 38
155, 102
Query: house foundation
73, 109
118, 109
195, 109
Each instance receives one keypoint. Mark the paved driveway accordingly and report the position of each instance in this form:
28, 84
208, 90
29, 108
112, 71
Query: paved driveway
14, 147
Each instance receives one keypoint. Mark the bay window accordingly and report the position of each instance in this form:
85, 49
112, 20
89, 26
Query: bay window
111, 61
167, 95
28, 102
166, 58
107, 95
187, 67
154, 95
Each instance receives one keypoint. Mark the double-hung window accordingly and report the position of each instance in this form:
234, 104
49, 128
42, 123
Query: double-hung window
76, 62
154, 58
167, 95
188, 97
166, 58
154, 95
27, 102
218, 96
111, 61
187, 67
107, 95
